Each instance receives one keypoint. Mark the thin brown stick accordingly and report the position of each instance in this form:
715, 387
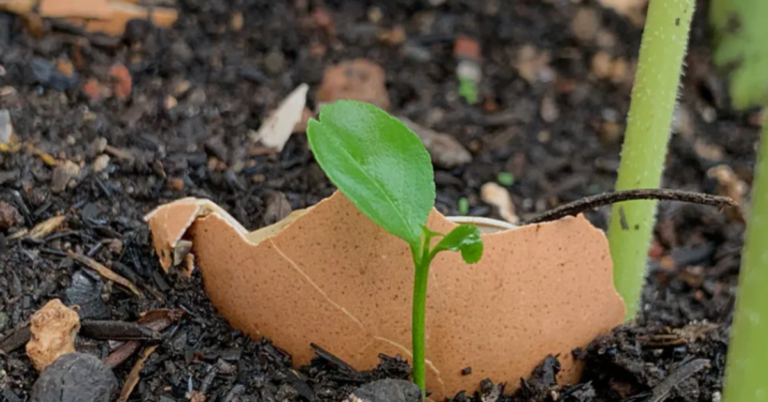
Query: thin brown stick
595, 201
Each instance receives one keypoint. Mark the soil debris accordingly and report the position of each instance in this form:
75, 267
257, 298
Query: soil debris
46, 227
135, 374
9, 216
104, 272
53, 329
386, 390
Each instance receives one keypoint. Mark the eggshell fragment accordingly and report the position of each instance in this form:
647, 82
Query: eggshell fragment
75, 8
53, 330
328, 275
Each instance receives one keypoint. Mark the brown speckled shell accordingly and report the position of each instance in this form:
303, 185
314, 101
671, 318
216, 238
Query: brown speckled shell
334, 278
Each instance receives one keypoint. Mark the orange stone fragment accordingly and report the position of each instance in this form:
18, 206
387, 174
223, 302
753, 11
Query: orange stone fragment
53, 330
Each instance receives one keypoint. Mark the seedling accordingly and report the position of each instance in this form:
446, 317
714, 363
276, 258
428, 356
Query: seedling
740, 28
384, 169
663, 46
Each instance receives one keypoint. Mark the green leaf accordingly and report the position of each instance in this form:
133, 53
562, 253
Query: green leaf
506, 178
464, 238
378, 163
740, 46
468, 90
463, 206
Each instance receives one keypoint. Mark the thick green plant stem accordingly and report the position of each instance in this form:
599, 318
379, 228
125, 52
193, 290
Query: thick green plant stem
745, 379
663, 47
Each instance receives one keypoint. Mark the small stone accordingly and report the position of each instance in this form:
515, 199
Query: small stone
122, 83
237, 21
6, 127
181, 52
549, 111
277, 208
98, 146
101, 163
75, 377
177, 183
416, 53
466, 48
45, 73
7, 90
619, 71
533, 65
181, 87
197, 97
359, 79
585, 24
170, 102
9, 216
62, 174
115, 246
274, 63
446, 152
65, 67
53, 329
136, 30
601, 64
93, 89
394, 36
387, 390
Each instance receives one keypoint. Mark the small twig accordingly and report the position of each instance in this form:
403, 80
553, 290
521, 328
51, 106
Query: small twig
595, 201
662, 390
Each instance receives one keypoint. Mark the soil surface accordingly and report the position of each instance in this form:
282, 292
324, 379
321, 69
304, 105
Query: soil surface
556, 130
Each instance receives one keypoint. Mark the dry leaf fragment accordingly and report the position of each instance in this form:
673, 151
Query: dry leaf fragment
53, 330
494, 194
730, 184
46, 227
328, 275
277, 128
105, 272
135, 375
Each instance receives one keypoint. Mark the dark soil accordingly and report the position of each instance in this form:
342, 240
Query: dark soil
201, 148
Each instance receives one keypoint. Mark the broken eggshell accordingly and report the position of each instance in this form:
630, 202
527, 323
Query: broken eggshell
328, 275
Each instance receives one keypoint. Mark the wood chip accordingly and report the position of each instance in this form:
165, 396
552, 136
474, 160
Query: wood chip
494, 194
277, 128
47, 227
105, 272
134, 375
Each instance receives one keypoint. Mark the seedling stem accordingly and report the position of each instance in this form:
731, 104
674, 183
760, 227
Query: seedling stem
663, 47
